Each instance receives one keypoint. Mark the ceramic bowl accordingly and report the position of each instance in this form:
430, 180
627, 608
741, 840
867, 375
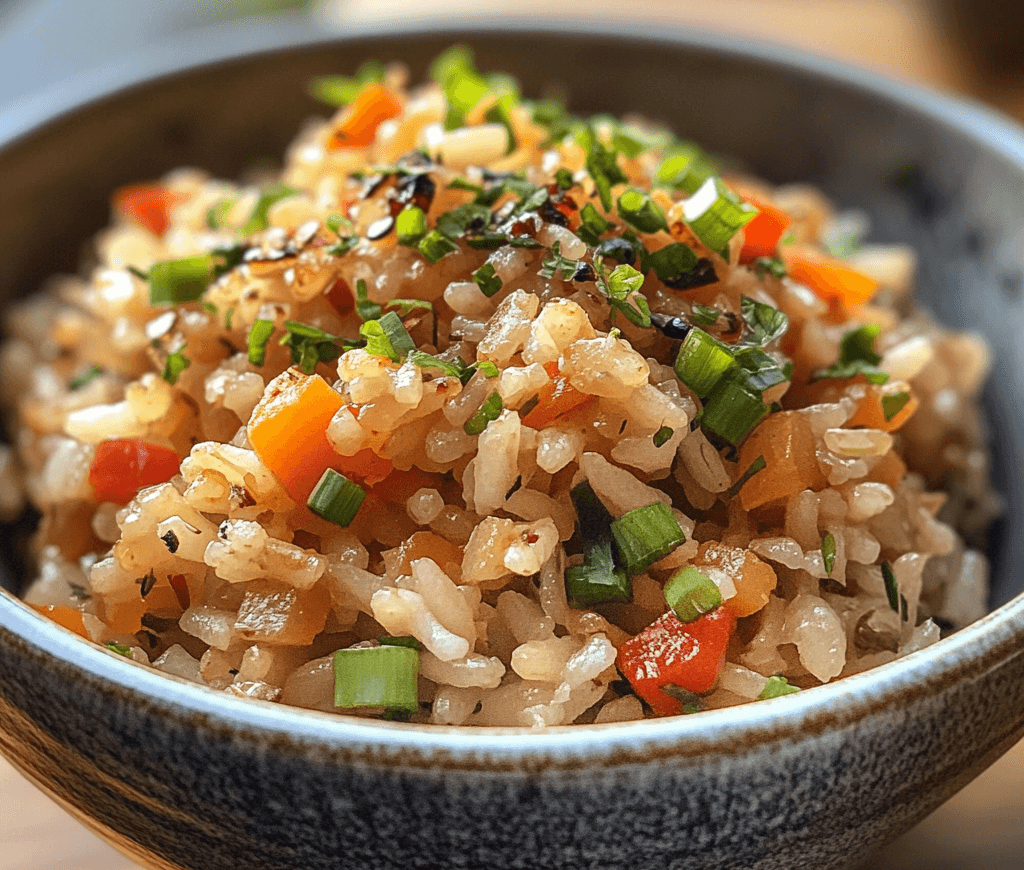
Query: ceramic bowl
178, 776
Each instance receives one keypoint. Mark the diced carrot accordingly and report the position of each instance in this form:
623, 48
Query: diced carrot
148, 204
424, 545
123, 466
339, 296
555, 398
831, 279
373, 105
672, 653
288, 430
761, 236
68, 617
786, 442
754, 579
871, 412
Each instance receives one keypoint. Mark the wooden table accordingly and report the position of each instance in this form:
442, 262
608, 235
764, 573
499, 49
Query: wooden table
983, 826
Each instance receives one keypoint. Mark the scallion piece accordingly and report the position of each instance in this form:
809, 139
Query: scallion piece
641, 212
691, 593
487, 368
489, 410
409, 642
435, 245
685, 169
336, 498
258, 219
645, 535
120, 649
86, 377
381, 676
377, 341
411, 226
702, 362
593, 225
673, 262
259, 338
487, 279
732, 410
425, 361
892, 591
828, 552
173, 282
776, 687
365, 307
662, 435
397, 334
174, 365
716, 214
598, 579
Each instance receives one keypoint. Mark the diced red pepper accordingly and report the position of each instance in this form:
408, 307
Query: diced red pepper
123, 466
339, 296
670, 652
148, 204
761, 236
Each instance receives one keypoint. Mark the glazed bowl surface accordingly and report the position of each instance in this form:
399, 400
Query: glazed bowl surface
178, 776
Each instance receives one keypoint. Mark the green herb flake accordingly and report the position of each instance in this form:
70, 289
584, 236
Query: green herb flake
893, 404
435, 245
405, 307
454, 224
173, 282
554, 263
828, 552
258, 339
603, 165
563, 178
217, 213
487, 368
673, 262
120, 649
344, 229
593, 225
904, 609
703, 315
490, 410
757, 465
684, 169
174, 365
138, 273
857, 356
342, 90
770, 266
377, 341
85, 377
464, 87
411, 226
258, 218
663, 435
715, 214
641, 212
764, 322
623, 289
310, 345
365, 308
891, 587
487, 279
776, 687
453, 369
409, 642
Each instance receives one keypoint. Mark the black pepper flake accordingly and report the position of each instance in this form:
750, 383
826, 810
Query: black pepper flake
170, 541
417, 190
584, 272
671, 327
380, 228
146, 583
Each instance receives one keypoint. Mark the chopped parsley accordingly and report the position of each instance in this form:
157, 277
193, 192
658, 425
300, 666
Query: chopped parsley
891, 587
673, 262
258, 218
623, 290
487, 279
765, 322
435, 245
703, 315
86, 377
828, 552
120, 649
174, 365
603, 165
554, 263
310, 345
857, 356
641, 212
365, 308
663, 435
411, 226
593, 225
770, 266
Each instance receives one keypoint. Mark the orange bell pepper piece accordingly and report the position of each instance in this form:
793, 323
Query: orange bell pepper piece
373, 105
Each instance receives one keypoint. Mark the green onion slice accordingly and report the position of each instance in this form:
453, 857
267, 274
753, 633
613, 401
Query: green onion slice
365, 308
598, 579
716, 214
336, 498
173, 282
593, 225
733, 410
623, 289
174, 365
487, 279
425, 361
857, 356
645, 535
259, 338
86, 377
691, 594
258, 219
892, 405
120, 649
685, 168
702, 361
397, 334
382, 676
489, 410
776, 687
641, 212
435, 245
673, 262
411, 226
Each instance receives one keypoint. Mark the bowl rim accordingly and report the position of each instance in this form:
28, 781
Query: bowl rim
967, 654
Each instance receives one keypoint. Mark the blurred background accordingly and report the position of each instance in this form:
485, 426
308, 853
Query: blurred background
972, 48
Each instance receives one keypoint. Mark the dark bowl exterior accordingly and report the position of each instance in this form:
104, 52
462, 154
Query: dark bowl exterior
180, 776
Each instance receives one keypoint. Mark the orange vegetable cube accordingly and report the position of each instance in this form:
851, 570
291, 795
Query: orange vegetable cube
148, 205
882, 406
786, 442
373, 105
67, 617
831, 279
761, 236
753, 578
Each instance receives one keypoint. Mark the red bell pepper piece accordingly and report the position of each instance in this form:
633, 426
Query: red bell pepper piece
148, 204
123, 466
670, 652
761, 236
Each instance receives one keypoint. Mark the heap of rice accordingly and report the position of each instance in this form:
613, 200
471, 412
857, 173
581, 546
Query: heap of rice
821, 528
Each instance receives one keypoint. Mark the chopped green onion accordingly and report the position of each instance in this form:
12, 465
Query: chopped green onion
623, 249
691, 593
891, 587
828, 552
645, 535
641, 212
397, 334
259, 338
770, 266
702, 362
138, 273
564, 180
86, 377
455, 71
381, 676
409, 642
377, 341
435, 245
342, 90
411, 226
892, 405
456, 222
405, 307
336, 223
120, 649
757, 465
703, 315
673, 262
174, 365
425, 361
715, 214
732, 410
218, 212
857, 356
593, 225
490, 410
336, 498
310, 345
258, 219
776, 687
662, 435
686, 168
554, 263
487, 279
760, 371
603, 165
623, 288
501, 113
365, 308
487, 368
173, 282
598, 579
765, 322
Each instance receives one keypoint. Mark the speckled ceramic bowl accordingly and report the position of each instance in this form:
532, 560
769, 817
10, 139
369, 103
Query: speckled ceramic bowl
181, 777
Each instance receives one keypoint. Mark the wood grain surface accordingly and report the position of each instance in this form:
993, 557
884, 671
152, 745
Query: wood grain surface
983, 826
